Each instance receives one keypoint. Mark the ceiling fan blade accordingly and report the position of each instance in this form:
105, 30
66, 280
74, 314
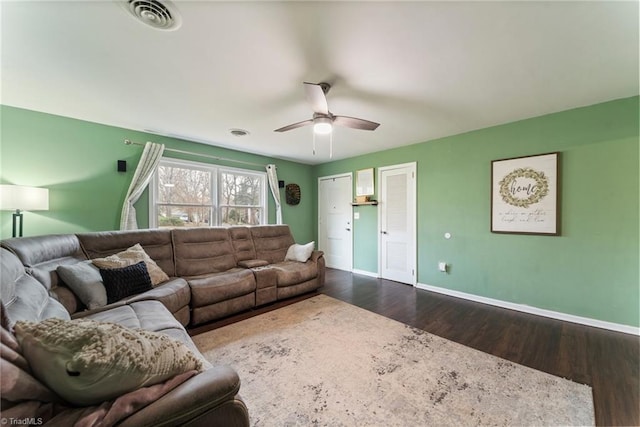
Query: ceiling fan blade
352, 122
294, 126
316, 98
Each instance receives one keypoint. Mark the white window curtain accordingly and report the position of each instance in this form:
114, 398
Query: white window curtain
149, 161
272, 175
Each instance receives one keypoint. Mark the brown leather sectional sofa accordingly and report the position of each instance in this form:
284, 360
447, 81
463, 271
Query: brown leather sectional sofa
214, 273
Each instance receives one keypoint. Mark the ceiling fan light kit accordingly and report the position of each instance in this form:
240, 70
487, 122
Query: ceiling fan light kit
323, 120
322, 125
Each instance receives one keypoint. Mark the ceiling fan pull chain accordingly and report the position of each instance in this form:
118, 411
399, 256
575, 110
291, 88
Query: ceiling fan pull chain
314, 143
331, 145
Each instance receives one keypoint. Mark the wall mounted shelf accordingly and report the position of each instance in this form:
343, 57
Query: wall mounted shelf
369, 203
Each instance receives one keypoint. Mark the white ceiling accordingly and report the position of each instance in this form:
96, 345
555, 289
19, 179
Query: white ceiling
422, 69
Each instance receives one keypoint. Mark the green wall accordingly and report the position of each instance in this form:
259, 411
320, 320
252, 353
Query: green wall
76, 160
591, 270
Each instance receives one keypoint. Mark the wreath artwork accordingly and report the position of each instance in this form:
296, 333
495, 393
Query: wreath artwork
525, 195
536, 192
292, 193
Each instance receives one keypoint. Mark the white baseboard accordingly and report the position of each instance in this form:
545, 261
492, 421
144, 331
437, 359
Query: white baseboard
534, 310
365, 273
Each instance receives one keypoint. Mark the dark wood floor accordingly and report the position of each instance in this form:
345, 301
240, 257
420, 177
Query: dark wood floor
607, 361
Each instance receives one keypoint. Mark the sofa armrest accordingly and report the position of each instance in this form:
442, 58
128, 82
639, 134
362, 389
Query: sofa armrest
174, 294
208, 399
315, 255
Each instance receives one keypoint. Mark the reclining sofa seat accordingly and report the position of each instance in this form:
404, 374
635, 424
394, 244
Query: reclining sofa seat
209, 398
42, 255
205, 258
23, 296
234, 269
174, 293
292, 277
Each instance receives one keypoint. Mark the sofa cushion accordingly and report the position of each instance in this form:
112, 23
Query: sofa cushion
243, 247
156, 243
271, 242
293, 272
149, 315
125, 281
216, 287
41, 255
23, 296
84, 280
202, 251
87, 362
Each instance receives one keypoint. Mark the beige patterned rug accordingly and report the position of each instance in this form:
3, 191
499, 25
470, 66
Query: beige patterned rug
325, 362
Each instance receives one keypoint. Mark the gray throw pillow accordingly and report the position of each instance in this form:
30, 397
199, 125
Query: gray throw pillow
85, 281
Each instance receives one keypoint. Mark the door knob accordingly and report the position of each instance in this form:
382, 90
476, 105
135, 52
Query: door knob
348, 229
383, 232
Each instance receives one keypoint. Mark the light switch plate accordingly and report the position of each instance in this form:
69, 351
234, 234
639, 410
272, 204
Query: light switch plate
356, 215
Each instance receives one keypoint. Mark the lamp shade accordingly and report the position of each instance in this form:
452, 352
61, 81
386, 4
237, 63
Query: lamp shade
21, 197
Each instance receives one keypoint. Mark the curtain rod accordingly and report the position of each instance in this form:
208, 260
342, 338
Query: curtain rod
129, 142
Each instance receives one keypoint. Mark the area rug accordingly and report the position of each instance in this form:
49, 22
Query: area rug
325, 362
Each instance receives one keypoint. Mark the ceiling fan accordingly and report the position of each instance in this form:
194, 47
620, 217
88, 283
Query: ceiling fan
323, 120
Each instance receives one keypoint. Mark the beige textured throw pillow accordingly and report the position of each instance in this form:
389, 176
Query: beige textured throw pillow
88, 362
300, 253
131, 256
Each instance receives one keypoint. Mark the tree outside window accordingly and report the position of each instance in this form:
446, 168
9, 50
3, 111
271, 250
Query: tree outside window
189, 194
241, 197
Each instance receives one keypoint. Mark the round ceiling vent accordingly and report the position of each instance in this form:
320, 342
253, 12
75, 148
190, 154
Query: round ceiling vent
161, 15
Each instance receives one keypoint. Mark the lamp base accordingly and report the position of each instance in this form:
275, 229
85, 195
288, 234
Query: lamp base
17, 217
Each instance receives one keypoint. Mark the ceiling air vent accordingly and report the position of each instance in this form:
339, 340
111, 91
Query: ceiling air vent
161, 15
238, 132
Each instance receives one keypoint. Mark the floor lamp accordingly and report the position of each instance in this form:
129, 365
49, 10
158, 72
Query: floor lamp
20, 198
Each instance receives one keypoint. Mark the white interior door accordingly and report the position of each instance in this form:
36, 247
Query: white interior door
334, 221
397, 202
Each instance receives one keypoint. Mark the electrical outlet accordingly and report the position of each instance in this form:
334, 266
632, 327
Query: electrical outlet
442, 266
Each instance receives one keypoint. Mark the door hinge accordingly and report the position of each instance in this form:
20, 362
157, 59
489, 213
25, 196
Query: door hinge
413, 272
413, 174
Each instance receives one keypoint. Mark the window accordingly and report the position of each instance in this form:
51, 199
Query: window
191, 194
